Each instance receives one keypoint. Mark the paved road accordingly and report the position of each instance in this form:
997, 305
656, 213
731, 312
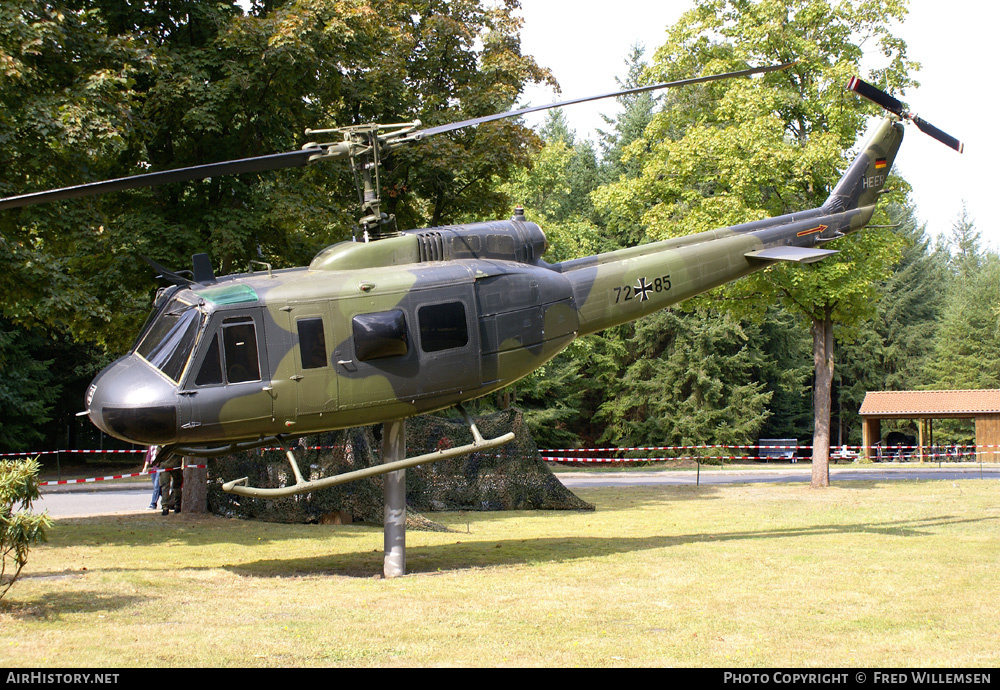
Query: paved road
88, 499
585, 479
111, 498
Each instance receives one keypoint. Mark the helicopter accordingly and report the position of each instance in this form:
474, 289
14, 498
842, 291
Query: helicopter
396, 324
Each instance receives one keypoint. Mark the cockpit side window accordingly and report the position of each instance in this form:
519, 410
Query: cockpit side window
239, 341
170, 339
211, 368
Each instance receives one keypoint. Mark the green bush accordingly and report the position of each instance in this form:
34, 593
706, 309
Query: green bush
18, 530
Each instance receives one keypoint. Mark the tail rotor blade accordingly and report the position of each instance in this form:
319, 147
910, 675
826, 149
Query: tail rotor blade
876, 96
932, 131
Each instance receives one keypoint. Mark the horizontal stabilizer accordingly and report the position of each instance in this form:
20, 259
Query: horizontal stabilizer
802, 255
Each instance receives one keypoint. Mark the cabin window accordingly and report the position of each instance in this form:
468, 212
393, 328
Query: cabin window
443, 326
239, 341
379, 335
211, 367
312, 343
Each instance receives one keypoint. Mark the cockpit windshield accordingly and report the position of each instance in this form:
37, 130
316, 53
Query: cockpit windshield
170, 339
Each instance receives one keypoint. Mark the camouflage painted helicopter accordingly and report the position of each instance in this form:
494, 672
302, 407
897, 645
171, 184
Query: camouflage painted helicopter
422, 320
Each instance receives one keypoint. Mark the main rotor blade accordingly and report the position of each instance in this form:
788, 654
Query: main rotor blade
274, 161
301, 157
421, 134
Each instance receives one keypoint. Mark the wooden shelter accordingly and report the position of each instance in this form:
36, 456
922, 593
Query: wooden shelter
981, 405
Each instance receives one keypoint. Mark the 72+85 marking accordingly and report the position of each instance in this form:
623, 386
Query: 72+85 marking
641, 289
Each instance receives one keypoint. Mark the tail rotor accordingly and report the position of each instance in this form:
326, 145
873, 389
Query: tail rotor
881, 98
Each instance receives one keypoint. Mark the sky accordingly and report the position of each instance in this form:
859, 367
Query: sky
585, 43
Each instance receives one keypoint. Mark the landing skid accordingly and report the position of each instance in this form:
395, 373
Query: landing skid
301, 486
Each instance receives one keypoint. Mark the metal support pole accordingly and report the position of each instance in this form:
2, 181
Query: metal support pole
194, 487
394, 487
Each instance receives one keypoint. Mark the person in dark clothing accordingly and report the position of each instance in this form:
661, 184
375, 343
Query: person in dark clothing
171, 483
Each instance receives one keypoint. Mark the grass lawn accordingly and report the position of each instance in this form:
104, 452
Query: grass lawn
862, 574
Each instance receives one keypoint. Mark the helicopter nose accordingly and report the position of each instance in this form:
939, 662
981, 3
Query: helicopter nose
128, 400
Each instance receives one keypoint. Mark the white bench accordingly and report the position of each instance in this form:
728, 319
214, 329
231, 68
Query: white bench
777, 449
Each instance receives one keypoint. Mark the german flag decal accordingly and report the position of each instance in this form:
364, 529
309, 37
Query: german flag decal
818, 228
879, 163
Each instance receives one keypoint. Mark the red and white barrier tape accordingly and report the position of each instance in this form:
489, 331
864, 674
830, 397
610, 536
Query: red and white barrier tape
90, 480
53, 452
645, 448
948, 452
736, 447
547, 458
803, 458
555, 450
135, 450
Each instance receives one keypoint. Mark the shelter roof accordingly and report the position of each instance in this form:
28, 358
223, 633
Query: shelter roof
930, 403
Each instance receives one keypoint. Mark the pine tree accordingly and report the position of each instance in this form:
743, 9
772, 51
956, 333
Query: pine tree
967, 352
628, 125
694, 379
892, 351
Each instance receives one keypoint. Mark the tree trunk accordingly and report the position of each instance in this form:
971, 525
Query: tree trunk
822, 330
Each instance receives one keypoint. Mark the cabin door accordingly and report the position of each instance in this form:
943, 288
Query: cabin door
227, 390
313, 371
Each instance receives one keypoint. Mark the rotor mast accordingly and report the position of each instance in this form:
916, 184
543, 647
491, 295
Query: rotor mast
365, 145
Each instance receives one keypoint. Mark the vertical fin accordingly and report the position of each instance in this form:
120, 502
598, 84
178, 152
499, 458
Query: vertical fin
865, 178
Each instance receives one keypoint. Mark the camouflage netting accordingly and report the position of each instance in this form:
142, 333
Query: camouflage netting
511, 477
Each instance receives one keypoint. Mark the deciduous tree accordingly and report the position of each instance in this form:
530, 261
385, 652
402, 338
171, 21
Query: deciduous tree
735, 151
97, 88
94, 89
892, 350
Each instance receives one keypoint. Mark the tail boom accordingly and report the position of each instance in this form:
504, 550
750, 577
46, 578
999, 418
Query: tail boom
617, 287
